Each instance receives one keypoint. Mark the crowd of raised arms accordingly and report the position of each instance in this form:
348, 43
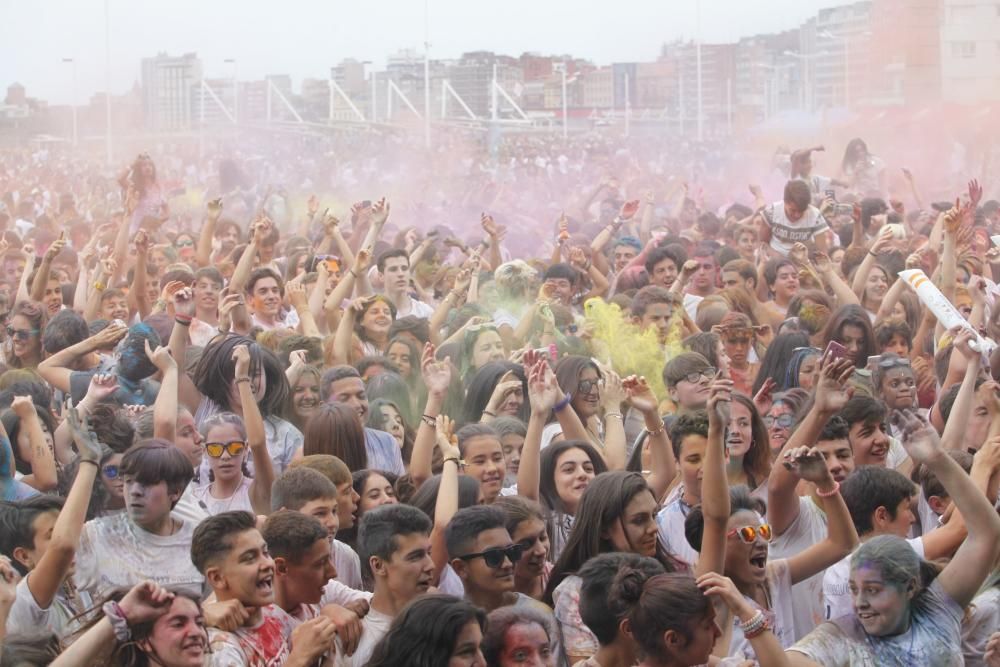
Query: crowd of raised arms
583, 403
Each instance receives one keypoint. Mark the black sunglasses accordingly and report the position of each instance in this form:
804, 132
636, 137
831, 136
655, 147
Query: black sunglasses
495, 557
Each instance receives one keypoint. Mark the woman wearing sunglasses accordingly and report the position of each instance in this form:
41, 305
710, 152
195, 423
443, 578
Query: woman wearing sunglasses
227, 439
24, 335
185, 245
737, 547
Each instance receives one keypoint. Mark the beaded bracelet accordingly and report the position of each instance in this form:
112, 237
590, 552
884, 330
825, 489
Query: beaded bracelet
832, 492
754, 626
563, 403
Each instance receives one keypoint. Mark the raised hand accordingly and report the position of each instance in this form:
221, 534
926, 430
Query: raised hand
832, 392
613, 392
23, 407
87, 445
214, 208
183, 300
799, 254
446, 440
160, 357
55, 247
297, 294
563, 228
720, 400
8, 584
543, 388
297, 359
141, 242
226, 306
380, 212
488, 224
109, 336
628, 209
639, 394
765, 396
241, 355
436, 374
312, 205
362, 261
975, 193
716, 585
919, 439
145, 603
330, 223
578, 258
961, 339
806, 463
689, 269
101, 386
227, 616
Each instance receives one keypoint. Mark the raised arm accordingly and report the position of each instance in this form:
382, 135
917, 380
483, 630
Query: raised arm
45, 580
715, 505
612, 396
446, 503
961, 411
165, 407
437, 379
841, 539
841, 290
831, 396
543, 393
343, 339
663, 465
43, 463
203, 255
145, 603
259, 229
37, 292
138, 297
975, 558
880, 243
300, 302
263, 469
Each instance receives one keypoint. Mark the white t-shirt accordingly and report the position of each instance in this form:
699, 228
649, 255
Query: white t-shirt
417, 309
670, 521
808, 528
836, 592
374, 626
26, 617
115, 553
348, 565
981, 620
781, 614
785, 233
239, 500
266, 644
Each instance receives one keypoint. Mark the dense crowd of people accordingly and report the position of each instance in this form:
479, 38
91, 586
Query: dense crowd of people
544, 403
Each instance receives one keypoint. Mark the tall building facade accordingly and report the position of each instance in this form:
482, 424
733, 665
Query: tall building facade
168, 84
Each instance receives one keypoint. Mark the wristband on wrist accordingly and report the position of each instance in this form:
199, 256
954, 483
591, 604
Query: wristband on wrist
242, 378
98, 285
831, 493
613, 414
458, 462
872, 254
563, 403
491, 414
430, 421
114, 613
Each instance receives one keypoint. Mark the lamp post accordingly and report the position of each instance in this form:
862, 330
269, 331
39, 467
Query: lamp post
72, 62
236, 95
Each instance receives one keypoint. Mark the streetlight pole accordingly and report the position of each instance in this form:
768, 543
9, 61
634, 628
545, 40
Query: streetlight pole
698, 67
107, 82
236, 94
427, 77
565, 105
72, 62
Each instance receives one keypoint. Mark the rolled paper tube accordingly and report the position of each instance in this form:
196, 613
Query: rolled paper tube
943, 309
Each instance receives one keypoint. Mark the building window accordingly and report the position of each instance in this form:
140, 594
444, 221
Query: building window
963, 49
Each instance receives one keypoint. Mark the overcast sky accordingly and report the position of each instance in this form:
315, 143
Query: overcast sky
303, 38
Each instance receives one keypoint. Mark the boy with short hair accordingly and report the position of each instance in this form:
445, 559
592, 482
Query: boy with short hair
689, 439
483, 556
652, 307
303, 489
303, 574
396, 543
231, 553
40, 535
